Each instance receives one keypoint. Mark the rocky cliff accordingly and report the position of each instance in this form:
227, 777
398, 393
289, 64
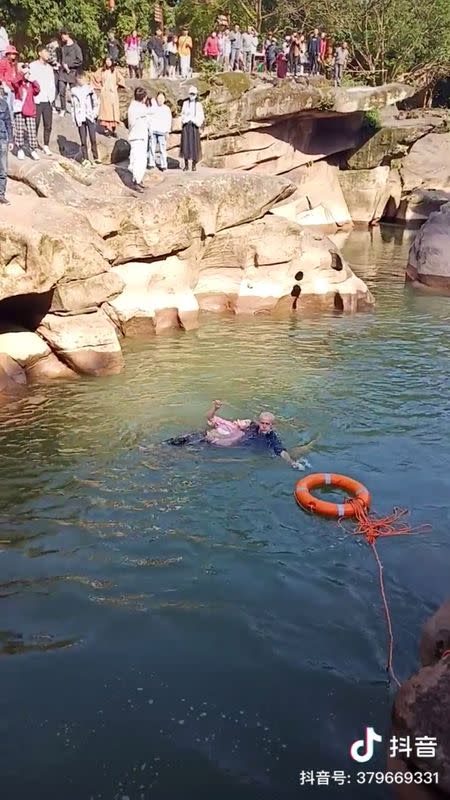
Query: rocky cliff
84, 261
83, 265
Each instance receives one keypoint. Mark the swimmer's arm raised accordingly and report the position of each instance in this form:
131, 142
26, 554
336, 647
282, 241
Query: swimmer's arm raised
216, 404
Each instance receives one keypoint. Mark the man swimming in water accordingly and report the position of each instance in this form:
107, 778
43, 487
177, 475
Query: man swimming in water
225, 433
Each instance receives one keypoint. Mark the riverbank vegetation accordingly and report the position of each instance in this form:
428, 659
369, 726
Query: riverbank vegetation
389, 39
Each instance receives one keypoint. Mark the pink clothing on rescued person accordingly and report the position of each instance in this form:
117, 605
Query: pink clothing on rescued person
225, 431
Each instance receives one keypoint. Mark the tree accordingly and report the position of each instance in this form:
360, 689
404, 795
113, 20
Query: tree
30, 22
389, 39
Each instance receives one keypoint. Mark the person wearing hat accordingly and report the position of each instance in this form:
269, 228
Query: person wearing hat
192, 119
9, 72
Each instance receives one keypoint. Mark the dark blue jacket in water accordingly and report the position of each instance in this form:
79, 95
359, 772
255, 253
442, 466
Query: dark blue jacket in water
269, 440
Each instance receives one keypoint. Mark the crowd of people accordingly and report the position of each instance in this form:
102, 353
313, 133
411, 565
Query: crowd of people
161, 55
32, 92
166, 54
295, 54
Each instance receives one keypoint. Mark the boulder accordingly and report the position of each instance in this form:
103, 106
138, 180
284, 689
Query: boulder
310, 204
427, 165
43, 243
384, 145
153, 287
284, 144
422, 708
415, 207
435, 638
49, 368
52, 178
271, 99
25, 347
429, 255
80, 296
366, 98
87, 343
173, 217
366, 192
12, 376
258, 268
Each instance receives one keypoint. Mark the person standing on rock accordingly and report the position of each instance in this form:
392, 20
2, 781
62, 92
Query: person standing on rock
192, 119
225, 49
42, 72
294, 56
303, 54
185, 53
211, 49
271, 55
84, 114
132, 46
314, 52
71, 63
323, 45
113, 48
25, 91
247, 49
139, 129
107, 80
54, 59
236, 48
155, 48
6, 144
9, 71
161, 124
172, 56
255, 43
341, 57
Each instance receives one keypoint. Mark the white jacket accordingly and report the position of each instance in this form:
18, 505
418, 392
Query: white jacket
161, 119
192, 111
139, 121
44, 75
84, 104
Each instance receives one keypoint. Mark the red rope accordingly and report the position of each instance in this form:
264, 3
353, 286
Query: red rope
372, 528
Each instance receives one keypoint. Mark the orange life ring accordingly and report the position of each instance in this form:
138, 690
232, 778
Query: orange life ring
308, 502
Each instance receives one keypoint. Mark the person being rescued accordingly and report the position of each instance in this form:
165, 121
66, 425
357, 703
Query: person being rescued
222, 432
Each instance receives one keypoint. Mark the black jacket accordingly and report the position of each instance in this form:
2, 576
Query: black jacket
155, 45
72, 56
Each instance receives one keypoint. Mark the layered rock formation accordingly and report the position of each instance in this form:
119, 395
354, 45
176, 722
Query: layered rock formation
429, 257
88, 269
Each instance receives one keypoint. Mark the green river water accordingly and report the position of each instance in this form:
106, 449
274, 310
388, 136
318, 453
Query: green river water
173, 626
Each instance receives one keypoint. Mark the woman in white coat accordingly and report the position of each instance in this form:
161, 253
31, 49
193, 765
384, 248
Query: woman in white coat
192, 119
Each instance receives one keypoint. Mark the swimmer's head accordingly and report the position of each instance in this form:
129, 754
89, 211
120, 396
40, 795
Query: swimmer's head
266, 421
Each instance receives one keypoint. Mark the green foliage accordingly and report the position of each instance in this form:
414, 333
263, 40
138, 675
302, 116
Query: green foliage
388, 39
372, 121
207, 66
30, 22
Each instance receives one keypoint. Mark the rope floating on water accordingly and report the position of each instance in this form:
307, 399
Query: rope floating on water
373, 527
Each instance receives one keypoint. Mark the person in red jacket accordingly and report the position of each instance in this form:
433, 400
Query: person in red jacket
25, 90
8, 66
8, 72
323, 46
211, 49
